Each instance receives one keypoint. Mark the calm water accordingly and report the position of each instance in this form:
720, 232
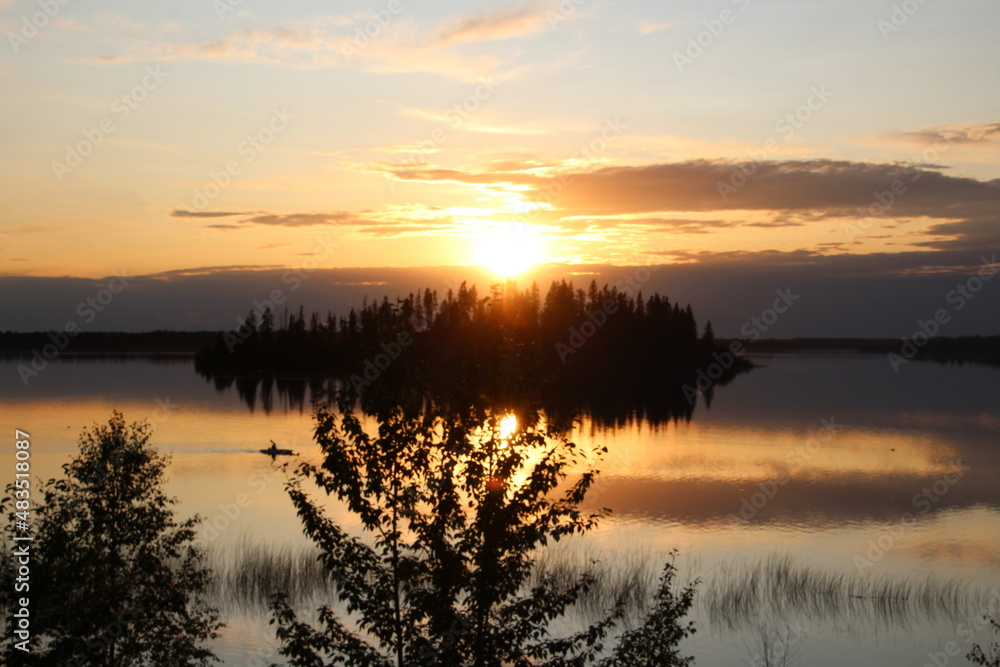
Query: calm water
831, 459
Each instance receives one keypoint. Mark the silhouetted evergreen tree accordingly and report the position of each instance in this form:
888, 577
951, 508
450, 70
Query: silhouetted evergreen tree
708, 338
573, 340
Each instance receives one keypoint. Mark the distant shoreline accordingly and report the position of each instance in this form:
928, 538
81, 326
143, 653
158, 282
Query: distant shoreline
983, 350
176, 344
186, 344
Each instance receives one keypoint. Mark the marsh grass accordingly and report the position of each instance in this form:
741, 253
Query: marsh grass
249, 572
733, 596
738, 595
630, 576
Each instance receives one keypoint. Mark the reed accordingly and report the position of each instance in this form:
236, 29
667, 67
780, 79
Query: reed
735, 596
628, 576
738, 595
249, 572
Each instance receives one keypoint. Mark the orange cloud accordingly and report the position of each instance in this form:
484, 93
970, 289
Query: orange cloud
503, 24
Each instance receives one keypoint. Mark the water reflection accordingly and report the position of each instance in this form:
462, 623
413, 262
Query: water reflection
764, 434
675, 476
607, 411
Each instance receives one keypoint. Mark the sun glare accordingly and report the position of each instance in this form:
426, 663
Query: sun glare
510, 251
508, 424
505, 429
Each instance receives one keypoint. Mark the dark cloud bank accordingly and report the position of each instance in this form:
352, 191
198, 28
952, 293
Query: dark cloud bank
873, 295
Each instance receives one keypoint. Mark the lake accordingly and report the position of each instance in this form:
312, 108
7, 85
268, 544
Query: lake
857, 475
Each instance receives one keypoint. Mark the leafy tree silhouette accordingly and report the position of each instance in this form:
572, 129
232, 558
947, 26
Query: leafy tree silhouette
989, 656
454, 507
115, 580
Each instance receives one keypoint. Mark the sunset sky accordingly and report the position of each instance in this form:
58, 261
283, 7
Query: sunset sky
209, 137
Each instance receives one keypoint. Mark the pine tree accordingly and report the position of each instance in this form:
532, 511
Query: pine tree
708, 339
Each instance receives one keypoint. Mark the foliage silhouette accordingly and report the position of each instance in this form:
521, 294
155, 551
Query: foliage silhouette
455, 505
115, 580
991, 656
599, 350
568, 330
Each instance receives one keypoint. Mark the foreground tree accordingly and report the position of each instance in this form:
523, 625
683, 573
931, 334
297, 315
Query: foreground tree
990, 656
455, 507
115, 579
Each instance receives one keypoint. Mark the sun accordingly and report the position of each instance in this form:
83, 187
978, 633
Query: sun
507, 426
510, 250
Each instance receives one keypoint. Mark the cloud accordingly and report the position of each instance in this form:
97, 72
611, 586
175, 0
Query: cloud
70, 24
395, 149
470, 125
490, 180
181, 213
658, 148
320, 42
481, 123
390, 221
300, 46
700, 185
982, 134
402, 45
209, 271
683, 225
967, 211
303, 219
122, 23
649, 27
650, 223
403, 58
619, 208
503, 24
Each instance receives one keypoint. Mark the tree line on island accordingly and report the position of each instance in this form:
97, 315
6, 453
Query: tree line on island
593, 345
